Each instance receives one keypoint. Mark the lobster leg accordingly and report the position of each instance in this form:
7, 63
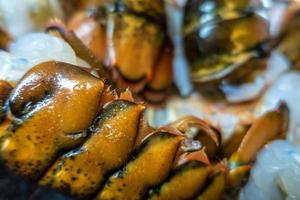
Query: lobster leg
270, 126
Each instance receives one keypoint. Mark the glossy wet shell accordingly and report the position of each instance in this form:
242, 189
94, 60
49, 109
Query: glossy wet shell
52, 107
222, 36
128, 182
185, 182
82, 171
223, 45
142, 40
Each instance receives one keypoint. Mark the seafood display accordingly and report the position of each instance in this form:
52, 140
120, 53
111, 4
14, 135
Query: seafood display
151, 99
29, 146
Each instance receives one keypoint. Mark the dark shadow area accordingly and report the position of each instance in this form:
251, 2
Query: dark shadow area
15, 187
